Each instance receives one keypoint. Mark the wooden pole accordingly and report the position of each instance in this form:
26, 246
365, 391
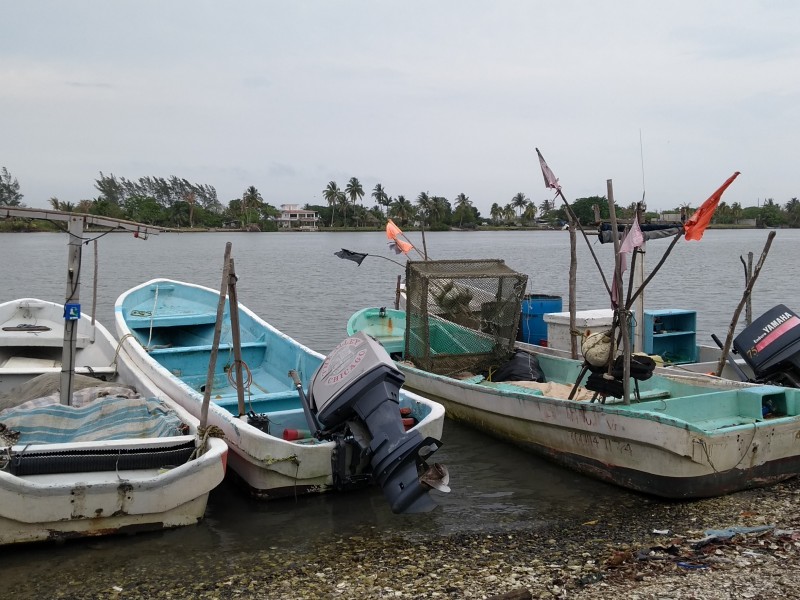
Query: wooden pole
72, 298
212, 359
748, 290
621, 312
748, 275
236, 336
94, 286
640, 291
571, 214
573, 303
397, 293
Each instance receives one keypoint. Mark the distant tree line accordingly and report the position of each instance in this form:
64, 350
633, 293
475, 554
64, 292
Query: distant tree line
177, 202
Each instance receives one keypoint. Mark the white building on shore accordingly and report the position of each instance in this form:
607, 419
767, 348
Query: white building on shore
294, 217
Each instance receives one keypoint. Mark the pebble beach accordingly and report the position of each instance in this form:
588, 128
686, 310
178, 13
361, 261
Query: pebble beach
744, 545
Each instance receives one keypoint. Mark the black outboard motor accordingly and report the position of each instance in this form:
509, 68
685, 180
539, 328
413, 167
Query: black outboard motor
358, 381
771, 346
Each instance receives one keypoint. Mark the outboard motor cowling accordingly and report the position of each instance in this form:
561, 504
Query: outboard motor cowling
771, 347
358, 384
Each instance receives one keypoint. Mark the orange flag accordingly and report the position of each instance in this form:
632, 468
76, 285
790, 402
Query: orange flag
392, 230
400, 246
697, 224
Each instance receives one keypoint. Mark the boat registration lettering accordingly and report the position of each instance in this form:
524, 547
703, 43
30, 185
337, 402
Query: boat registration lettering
596, 441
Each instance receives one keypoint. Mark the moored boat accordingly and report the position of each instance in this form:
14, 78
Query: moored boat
682, 436
167, 330
121, 457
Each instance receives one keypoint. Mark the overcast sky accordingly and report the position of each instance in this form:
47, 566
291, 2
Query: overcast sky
443, 97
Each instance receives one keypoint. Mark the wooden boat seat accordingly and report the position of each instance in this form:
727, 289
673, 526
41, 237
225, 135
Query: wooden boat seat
172, 320
49, 339
178, 350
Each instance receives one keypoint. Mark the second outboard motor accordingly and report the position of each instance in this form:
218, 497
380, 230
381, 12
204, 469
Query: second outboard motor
771, 347
358, 381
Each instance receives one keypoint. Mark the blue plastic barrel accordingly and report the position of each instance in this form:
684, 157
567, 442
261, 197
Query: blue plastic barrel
532, 328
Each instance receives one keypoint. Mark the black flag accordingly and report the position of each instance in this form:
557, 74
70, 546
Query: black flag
356, 257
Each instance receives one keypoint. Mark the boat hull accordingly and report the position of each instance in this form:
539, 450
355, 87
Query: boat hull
620, 446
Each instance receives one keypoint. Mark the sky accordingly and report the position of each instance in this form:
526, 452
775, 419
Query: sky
665, 99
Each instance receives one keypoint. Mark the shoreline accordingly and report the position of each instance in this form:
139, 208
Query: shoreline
644, 548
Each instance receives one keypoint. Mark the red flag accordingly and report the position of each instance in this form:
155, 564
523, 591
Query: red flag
392, 230
697, 224
550, 180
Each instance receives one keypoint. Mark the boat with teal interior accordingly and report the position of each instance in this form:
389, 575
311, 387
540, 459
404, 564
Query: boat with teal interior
282, 444
680, 436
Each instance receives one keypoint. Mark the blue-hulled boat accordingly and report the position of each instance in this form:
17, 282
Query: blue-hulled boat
166, 329
687, 436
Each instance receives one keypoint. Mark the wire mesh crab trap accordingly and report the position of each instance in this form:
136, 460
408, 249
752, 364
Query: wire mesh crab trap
461, 315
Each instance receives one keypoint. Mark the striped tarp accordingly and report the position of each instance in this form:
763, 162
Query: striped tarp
108, 417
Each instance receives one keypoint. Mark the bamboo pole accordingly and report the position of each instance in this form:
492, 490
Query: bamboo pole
747, 291
236, 337
620, 310
212, 359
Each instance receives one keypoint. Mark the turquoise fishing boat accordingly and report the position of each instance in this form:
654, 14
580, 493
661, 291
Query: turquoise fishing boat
166, 329
683, 436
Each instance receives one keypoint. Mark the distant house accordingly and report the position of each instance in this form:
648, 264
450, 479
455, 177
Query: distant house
292, 216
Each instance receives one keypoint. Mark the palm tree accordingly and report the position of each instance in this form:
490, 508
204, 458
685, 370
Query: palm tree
509, 213
519, 202
441, 208
546, 206
251, 197
496, 213
736, 212
403, 210
381, 199
425, 206
62, 206
463, 204
530, 212
331, 195
354, 190
341, 199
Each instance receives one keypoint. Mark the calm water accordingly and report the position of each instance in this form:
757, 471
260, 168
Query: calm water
295, 282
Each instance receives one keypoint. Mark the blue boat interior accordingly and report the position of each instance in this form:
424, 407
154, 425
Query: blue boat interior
178, 332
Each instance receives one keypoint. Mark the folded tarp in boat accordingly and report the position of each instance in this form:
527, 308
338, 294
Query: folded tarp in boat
106, 417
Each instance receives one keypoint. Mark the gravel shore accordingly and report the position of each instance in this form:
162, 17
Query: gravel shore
664, 550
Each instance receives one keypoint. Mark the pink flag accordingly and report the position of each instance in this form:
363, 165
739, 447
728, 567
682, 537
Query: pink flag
550, 180
633, 240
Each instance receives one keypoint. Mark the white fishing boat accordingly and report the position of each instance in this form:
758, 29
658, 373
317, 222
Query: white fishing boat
121, 457
680, 436
91, 447
167, 329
